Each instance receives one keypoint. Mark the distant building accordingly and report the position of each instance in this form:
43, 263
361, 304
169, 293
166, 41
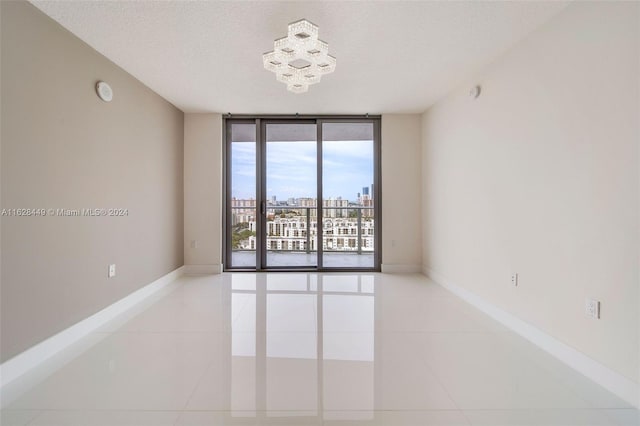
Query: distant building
331, 207
243, 211
287, 230
366, 201
308, 202
340, 234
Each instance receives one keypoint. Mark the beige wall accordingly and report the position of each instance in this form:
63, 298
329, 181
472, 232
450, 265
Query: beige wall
401, 193
400, 187
203, 192
62, 147
539, 176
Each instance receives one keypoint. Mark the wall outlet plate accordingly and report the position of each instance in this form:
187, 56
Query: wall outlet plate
112, 270
514, 280
592, 308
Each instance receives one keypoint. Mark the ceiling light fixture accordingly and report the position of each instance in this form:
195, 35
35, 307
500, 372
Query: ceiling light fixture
299, 59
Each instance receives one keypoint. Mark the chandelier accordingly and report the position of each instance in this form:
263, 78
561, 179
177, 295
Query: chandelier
299, 59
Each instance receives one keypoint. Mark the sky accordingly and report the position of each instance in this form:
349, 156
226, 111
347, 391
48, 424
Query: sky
291, 169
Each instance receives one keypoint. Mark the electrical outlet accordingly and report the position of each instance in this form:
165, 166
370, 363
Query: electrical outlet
112, 270
514, 280
592, 308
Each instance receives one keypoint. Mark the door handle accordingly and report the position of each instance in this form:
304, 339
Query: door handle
263, 208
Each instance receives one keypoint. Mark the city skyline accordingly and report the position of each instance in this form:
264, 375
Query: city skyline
291, 169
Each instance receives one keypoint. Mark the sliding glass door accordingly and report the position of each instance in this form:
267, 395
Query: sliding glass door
276, 171
291, 186
242, 206
348, 154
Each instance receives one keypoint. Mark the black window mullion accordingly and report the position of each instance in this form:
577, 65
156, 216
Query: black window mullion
261, 190
319, 210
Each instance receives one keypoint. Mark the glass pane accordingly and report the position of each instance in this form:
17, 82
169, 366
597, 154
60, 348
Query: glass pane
243, 195
348, 189
291, 170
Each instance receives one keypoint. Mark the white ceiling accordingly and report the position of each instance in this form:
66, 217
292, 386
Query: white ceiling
392, 57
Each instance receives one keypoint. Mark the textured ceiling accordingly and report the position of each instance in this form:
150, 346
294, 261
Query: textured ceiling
392, 57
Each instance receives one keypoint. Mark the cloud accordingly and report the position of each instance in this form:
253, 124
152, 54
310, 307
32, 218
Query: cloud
291, 168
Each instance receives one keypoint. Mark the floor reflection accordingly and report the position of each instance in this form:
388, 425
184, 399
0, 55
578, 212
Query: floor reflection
300, 340
305, 349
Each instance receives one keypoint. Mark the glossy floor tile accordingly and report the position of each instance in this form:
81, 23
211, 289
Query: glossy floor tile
535, 417
307, 349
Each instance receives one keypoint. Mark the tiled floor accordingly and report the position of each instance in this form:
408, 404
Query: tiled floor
307, 349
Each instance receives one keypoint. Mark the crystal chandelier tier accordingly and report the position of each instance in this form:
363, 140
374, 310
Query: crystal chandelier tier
299, 59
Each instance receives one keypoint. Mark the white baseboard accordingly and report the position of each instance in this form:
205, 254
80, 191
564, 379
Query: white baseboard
611, 380
25, 361
399, 268
202, 269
